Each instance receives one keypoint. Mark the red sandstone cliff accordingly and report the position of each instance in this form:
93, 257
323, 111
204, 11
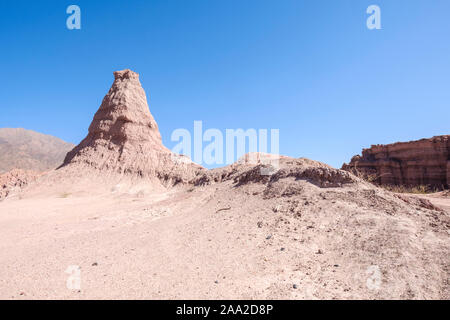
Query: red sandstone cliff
422, 162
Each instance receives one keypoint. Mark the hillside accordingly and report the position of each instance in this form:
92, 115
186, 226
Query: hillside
30, 150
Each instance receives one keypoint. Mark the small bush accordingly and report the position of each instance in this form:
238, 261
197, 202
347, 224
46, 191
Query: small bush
372, 178
64, 195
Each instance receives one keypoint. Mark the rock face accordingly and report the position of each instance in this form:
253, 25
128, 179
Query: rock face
15, 180
124, 137
423, 162
30, 150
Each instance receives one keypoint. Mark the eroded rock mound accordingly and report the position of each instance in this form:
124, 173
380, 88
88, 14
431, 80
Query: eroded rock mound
424, 162
124, 137
270, 170
15, 180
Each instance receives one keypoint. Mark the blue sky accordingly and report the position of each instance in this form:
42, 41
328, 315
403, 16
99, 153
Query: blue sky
309, 68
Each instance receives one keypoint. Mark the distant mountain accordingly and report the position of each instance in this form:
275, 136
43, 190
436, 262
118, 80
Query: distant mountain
30, 150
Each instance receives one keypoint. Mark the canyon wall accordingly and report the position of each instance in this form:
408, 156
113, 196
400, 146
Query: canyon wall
422, 162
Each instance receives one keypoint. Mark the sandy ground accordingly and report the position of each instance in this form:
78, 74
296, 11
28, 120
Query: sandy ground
224, 241
439, 199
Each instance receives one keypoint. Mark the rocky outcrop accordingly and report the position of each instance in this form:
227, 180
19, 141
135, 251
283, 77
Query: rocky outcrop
15, 180
423, 162
124, 138
448, 173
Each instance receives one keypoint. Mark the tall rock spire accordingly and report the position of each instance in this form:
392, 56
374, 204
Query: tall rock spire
124, 116
124, 136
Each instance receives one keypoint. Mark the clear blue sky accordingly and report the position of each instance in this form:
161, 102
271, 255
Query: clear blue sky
310, 68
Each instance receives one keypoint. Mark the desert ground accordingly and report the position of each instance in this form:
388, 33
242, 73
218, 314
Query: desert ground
242, 238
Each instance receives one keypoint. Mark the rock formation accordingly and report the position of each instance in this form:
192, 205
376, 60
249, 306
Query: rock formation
124, 137
15, 180
423, 162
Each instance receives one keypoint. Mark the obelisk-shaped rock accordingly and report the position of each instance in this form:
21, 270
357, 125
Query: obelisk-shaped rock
124, 137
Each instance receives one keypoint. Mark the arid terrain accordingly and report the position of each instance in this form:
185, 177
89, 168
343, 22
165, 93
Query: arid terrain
139, 222
30, 150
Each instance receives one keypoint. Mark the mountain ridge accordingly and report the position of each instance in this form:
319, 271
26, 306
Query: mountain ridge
30, 150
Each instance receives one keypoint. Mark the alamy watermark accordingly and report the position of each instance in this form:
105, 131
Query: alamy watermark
212, 147
374, 20
373, 282
73, 282
74, 20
